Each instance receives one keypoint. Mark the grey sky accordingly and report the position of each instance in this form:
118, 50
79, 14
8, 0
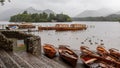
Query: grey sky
71, 7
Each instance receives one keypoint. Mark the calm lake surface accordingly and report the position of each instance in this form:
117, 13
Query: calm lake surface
106, 33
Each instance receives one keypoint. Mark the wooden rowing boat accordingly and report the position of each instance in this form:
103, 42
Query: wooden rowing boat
115, 53
85, 56
91, 62
92, 59
49, 50
68, 55
101, 50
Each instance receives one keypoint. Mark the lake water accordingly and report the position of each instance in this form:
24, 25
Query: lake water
107, 33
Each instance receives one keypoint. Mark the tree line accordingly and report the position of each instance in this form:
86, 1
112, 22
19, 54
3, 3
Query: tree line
42, 17
112, 17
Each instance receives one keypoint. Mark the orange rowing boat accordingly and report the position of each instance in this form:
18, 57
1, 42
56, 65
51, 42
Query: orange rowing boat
49, 50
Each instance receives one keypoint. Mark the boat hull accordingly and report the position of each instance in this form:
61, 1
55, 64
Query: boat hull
49, 51
71, 59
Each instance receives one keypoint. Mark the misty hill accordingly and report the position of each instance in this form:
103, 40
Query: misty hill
5, 16
32, 10
117, 12
95, 13
111, 17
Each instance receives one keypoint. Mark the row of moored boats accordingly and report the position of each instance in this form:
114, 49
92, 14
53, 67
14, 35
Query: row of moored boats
57, 27
101, 58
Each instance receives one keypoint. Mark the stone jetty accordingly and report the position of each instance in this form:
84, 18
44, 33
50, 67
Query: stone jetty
31, 58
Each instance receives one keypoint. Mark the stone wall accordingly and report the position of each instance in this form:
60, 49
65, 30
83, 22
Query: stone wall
33, 43
6, 43
16, 34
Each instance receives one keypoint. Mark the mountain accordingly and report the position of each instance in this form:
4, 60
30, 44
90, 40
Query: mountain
5, 16
111, 17
117, 12
95, 13
48, 11
32, 10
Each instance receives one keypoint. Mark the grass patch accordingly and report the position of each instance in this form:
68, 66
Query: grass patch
20, 48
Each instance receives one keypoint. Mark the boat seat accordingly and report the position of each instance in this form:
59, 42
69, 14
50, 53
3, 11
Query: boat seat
69, 52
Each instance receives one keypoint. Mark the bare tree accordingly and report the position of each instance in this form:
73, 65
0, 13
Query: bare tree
2, 1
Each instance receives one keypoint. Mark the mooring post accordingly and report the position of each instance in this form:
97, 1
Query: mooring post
33, 45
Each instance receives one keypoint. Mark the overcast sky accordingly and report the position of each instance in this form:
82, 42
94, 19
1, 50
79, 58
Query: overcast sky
71, 7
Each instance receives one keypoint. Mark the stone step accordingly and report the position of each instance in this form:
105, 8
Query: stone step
34, 61
2, 65
50, 62
20, 61
26, 60
8, 60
